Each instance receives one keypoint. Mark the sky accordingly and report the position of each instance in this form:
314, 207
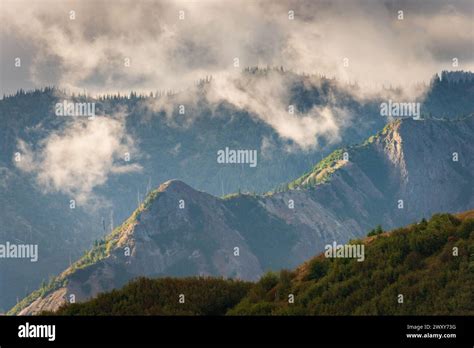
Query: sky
109, 46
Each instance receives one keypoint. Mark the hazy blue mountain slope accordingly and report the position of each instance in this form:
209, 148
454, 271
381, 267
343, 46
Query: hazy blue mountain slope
416, 261
337, 201
182, 147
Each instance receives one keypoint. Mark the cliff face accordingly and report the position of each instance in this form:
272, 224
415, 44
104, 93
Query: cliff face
410, 170
416, 260
176, 149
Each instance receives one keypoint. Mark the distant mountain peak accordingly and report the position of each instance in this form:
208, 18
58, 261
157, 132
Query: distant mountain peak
174, 185
180, 231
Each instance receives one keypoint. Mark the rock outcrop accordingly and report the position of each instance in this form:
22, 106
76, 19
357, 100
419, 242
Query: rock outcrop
409, 170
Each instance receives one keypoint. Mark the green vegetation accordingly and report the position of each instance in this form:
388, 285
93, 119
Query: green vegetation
416, 261
149, 199
376, 231
101, 249
430, 263
202, 296
320, 173
45, 288
230, 196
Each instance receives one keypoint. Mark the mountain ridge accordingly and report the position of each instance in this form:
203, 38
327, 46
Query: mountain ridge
169, 146
424, 268
201, 237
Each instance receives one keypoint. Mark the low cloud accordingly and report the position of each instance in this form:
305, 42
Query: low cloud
119, 46
264, 94
267, 98
79, 158
166, 52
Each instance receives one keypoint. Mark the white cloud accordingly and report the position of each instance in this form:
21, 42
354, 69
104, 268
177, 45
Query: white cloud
267, 97
171, 54
168, 53
81, 157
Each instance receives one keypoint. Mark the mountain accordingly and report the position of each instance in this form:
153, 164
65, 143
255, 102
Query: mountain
171, 145
429, 263
168, 145
179, 231
30, 217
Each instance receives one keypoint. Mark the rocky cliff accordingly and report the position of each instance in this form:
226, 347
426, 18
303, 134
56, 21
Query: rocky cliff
409, 170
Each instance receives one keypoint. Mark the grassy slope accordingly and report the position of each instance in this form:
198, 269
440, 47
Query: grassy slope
321, 173
416, 261
202, 296
99, 251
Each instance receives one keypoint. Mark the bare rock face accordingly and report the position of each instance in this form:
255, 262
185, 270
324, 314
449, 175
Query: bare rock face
49, 303
408, 171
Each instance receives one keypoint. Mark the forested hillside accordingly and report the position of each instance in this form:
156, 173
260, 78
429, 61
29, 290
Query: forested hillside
181, 231
424, 268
